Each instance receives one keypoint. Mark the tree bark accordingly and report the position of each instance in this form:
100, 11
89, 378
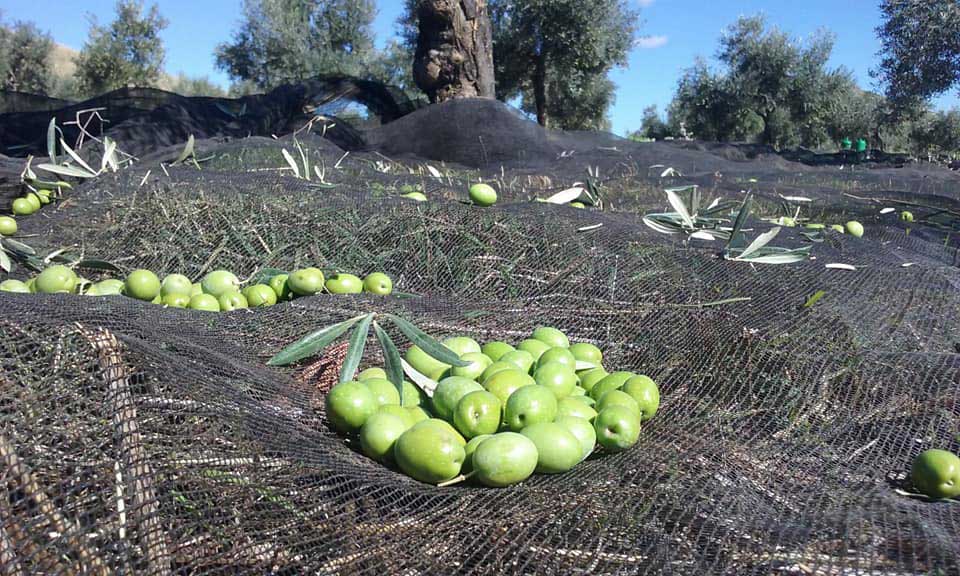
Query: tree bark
540, 89
454, 57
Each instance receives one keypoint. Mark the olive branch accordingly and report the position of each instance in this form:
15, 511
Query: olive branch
757, 251
15, 251
707, 224
394, 365
78, 168
688, 218
11, 250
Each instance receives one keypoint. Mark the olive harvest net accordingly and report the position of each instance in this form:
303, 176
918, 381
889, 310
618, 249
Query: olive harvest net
136, 438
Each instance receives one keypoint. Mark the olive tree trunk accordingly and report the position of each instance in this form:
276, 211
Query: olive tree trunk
454, 57
540, 88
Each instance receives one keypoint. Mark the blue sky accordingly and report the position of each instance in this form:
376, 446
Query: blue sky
673, 33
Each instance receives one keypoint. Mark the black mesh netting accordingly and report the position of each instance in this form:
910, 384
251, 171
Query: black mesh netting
137, 438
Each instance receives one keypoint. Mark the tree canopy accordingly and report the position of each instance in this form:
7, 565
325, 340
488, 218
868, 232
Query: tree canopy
555, 55
127, 51
920, 57
25, 58
771, 87
283, 41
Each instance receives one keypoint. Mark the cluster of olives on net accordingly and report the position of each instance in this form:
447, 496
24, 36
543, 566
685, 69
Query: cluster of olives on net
30, 202
543, 406
217, 291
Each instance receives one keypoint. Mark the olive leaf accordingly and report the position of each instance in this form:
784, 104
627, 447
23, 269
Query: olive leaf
109, 155
96, 264
565, 196
77, 158
425, 383
740, 220
814, 298
291, 162
779, 256
46, 184
391, 359
187, 152
759, 242
420, 338
52, 140
358, 341
66, 170
718, 206
663, 223
19, 247
836, 266
312, 343
679, 205
5, 264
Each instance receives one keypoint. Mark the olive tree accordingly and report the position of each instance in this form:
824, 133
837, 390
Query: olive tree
25, 59
284, 41
556, 55
920, 54
127, 51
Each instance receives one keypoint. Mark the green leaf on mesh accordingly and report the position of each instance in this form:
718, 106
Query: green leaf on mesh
814, 298
358, 341
96, 264
391, 359
19, 247
312, 343
740, 221
433, 348
46, 184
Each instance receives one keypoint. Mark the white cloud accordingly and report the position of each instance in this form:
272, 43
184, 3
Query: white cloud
650, 42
